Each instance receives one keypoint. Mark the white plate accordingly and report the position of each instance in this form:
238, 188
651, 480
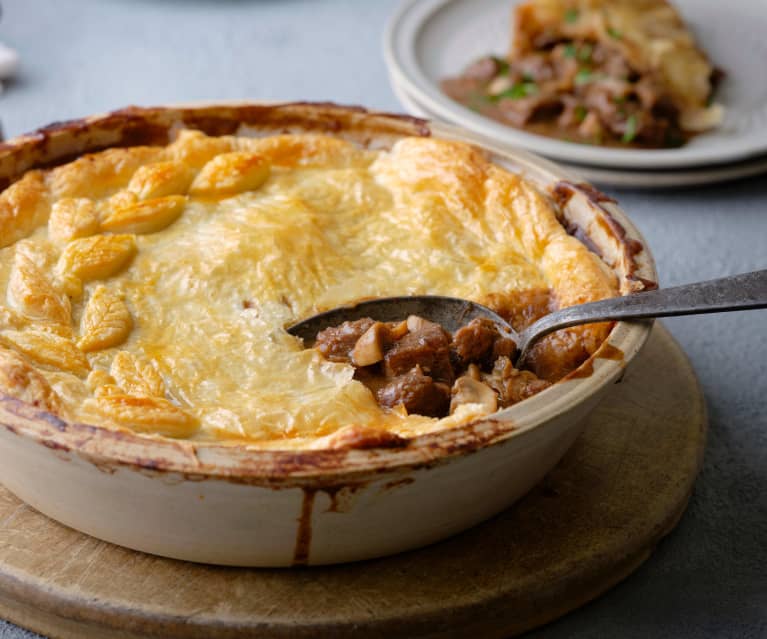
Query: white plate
427, 40
628, 178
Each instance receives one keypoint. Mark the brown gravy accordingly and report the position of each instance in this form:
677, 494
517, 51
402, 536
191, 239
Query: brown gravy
469, 95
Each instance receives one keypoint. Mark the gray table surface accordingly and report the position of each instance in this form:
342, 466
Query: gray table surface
709, 578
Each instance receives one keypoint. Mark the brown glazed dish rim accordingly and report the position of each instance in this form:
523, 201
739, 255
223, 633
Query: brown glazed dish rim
579, 206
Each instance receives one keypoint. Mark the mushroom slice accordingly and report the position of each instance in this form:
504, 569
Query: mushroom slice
468, 390
369, 348
416, 323
398, 330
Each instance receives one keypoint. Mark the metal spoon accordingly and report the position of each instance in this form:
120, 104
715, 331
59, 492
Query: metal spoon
735, 293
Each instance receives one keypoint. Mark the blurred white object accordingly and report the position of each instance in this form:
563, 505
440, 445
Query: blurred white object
9, 62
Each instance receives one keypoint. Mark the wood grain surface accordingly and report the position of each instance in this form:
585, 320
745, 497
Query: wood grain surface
595, 518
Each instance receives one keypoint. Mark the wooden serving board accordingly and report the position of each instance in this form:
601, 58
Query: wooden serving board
593, 520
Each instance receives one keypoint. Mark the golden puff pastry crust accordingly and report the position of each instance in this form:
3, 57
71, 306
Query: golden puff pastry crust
148, 288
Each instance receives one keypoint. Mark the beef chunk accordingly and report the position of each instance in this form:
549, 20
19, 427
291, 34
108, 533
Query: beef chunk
337, 342
417, 392
560, 353
504, 347
472, 342
484, 69
513, 385
481, 342
428, 346
534, 108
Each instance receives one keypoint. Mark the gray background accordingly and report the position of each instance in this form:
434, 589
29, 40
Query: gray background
709, 578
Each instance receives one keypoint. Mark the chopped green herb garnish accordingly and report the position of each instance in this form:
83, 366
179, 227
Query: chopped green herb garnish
519, 90
619, 99
584, 54
580, 113
571, 15
529, 88
570, 50
631, 129
614, 33
503, 66
528, 78
584, 76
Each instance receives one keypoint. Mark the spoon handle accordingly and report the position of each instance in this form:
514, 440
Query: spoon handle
735, 293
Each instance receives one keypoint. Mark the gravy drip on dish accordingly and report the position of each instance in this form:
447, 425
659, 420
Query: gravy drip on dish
147, 288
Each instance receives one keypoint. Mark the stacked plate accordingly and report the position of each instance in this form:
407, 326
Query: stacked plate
429, 40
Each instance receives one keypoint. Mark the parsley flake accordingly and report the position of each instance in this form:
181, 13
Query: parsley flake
518, 91
501, 65
571, 15
584, 76
631, 129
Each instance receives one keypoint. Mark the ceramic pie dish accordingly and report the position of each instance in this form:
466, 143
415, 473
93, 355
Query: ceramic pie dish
232, 503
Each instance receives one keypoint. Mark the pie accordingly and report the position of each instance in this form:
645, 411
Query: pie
609, 72
148, 288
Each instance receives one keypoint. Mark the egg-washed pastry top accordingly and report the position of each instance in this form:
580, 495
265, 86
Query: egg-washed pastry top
148, 288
